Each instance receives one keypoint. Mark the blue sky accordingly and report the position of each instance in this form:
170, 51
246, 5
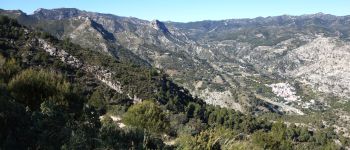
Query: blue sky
189, 10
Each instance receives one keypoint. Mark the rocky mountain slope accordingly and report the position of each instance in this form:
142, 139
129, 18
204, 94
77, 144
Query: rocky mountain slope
230, 63
295, 65
57, 95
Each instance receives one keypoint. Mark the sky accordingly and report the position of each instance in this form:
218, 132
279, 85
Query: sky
189, 10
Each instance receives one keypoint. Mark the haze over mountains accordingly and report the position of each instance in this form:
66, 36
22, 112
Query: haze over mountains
294, 65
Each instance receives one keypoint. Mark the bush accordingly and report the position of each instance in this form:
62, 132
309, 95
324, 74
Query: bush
32, 87
213, 138
147, 115
8, 68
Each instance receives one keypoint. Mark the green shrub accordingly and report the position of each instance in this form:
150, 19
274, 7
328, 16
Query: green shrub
8, 68
147, 115
32, 87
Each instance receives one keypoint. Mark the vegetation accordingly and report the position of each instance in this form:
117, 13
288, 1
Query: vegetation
47, 104
27, 88
147, 115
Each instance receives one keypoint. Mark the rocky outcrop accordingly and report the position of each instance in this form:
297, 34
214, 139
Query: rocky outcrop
222, 99
104, 75
156, 24
61, 54
89, 35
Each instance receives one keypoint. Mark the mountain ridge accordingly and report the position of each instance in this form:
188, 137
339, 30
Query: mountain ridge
170, 21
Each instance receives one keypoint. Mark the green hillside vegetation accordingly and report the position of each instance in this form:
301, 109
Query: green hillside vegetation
47, 104
147, 115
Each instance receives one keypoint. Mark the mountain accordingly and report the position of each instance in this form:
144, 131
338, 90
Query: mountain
205, 54
293, 65
57, 95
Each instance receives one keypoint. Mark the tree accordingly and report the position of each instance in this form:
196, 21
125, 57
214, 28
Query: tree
278, 130
190, 110
4, 19
85, 130
15, 131
147, 115
275, 139
304, 135
97, 99
49, 126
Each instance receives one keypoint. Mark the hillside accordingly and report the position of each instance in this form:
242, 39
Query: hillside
289, 65
217, 60
58, 95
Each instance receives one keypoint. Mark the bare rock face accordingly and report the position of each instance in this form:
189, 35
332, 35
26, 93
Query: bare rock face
325, 62
156, 24
88, 36
56, 14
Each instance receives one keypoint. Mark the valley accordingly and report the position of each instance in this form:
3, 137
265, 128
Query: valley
291, 69
228, 62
